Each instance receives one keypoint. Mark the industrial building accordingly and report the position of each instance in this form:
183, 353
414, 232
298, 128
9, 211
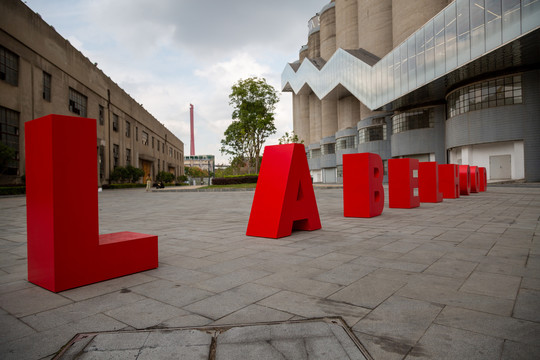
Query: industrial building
436, 80
41, 73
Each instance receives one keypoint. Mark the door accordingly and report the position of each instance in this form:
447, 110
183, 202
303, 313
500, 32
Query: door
500, 167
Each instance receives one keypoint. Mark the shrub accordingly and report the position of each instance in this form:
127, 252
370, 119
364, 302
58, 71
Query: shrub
229, 180
12, 190
134, 174
121, 186
165, 176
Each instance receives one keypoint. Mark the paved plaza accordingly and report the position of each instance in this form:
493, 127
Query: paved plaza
454, 280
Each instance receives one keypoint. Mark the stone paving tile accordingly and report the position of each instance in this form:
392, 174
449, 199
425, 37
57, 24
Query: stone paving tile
145, 313
528, 305
368, 292
188, 320
12, 328
399, 319
382, 348
170, 293
345, 274
31, 301
228, 281
442, 342
311, 307
252, 314
492, 325
229, 301
453, 268
299, 284
518, 351
496, 285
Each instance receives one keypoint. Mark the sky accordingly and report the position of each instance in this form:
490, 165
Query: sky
167, 54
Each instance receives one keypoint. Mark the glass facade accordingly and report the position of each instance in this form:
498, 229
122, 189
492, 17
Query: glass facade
486, 94
372, 133
348, 142
327, 149
463, 31
411, 120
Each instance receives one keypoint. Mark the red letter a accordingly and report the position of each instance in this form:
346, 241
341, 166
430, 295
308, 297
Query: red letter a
284, 199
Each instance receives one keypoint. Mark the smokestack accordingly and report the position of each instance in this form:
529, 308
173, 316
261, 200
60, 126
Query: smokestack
192, 152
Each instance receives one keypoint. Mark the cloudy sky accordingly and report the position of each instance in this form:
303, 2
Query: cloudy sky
169, 53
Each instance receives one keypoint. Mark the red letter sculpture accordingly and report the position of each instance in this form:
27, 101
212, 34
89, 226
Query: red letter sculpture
428, 182
363, 192
284, 198
475, 179
449, 180
65, 249
464, 180
483, 178
402, 183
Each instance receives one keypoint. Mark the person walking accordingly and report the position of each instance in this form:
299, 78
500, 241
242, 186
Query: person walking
148, 184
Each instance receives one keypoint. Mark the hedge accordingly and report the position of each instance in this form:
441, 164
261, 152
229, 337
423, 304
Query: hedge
248, 179
122, 186
12, 190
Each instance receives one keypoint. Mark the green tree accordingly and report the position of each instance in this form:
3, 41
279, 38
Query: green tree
7, 154
290, 138
254, 102
165, 176
119, 175
133, 173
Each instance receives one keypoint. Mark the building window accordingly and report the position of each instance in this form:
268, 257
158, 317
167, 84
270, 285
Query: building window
116, 155
486, 94
9, 66
372, 133
315, 153
328, 149
128, 129
158, 145
128, 157
46, 86
101, 115
101, 162
136, 133
411, 120
77, 102
152, 142
170, 151
114, 122
9, 136
145, 138
348, 142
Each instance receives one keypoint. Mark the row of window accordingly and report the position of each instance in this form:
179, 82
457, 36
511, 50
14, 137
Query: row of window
486, 94
372, 133
78, 103
411, 120
9, 135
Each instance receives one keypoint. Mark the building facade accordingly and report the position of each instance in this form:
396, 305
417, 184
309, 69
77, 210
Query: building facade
41, 74
203, 162
436, 80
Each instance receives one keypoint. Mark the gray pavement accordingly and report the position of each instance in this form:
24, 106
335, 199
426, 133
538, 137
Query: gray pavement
458, 279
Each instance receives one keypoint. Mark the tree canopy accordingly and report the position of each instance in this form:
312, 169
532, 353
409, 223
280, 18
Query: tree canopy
253, 101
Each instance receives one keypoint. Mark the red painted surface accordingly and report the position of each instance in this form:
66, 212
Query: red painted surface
482, 174
284, 198
464, 179
363, 192
475, 179
428, 182
403, 183
65, 249
449, 180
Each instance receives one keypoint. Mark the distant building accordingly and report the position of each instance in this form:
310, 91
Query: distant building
204, 162
436, 80
41, 74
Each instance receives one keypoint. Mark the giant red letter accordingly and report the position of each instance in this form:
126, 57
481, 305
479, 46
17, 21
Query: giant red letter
464, 179
65, 249
483, 178
363, 192
475, 179
402, 183
284, 198
428, 182
449, 180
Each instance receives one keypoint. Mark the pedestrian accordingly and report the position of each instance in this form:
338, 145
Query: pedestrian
148, 184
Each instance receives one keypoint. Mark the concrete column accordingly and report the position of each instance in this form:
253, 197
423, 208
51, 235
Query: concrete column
348, 112
375, 26
329, 111
347, 24
328, 32
314, 44
315, 119
301, 117
409, 16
